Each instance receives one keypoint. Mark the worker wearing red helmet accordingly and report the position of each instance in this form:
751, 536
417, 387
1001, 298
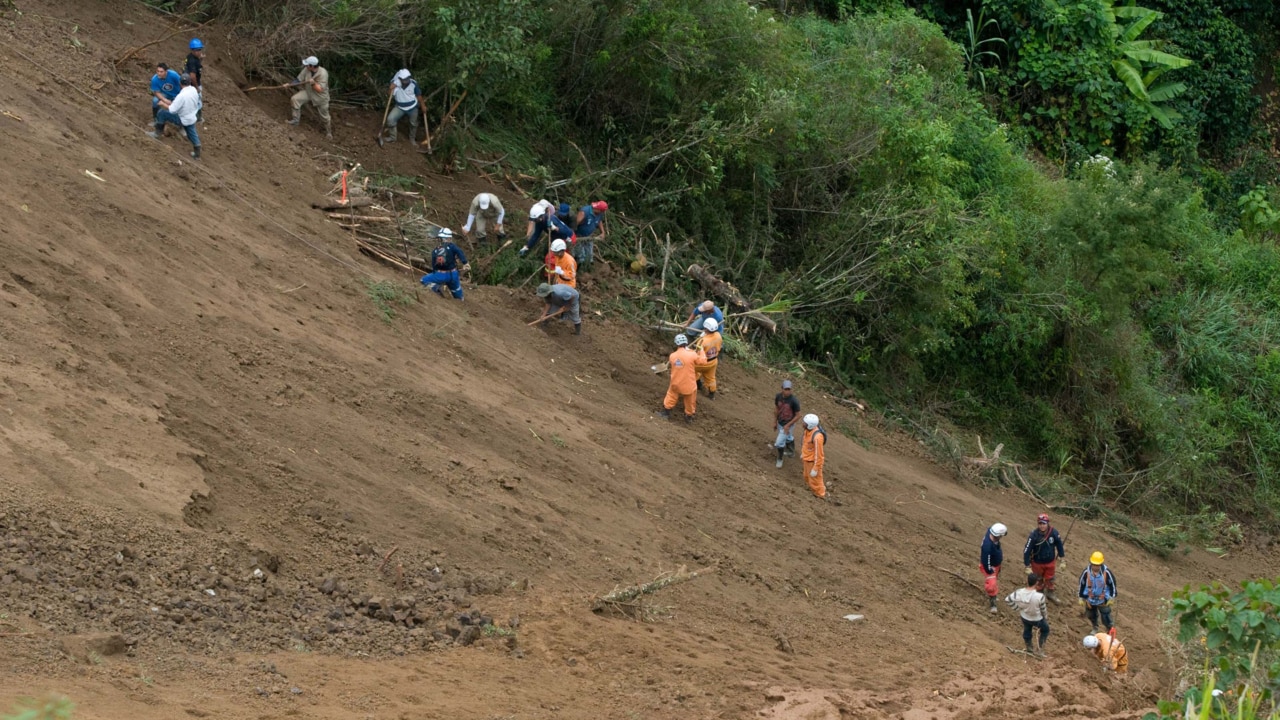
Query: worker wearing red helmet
1041, 554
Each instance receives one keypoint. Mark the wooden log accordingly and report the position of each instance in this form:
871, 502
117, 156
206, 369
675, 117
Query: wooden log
337, 204
376, 254
361, 218
730, 296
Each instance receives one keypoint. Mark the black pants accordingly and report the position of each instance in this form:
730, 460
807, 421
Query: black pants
1093, 611
1026, 630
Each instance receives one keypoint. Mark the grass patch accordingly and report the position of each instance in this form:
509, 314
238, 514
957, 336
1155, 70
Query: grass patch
54, 708
386, 295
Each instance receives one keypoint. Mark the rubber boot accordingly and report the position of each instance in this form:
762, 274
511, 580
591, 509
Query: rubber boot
1040, 650
297, 118
711, 395
195, 152
1028, 650
1095, 628
1051, 596
779, 463
992, 602
688, 419
328, 132
577, 328
791, 448
664, 413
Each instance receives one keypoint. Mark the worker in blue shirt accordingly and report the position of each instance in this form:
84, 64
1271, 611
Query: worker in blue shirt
445, 259
585, 226
165, 86
707, 310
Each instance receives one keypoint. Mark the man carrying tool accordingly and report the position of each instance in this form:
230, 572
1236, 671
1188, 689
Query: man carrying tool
707, 310
585, 226
485, 208
315, 90
989, 563
564, 270
181, 112
408, 101
562, 298
712, 342
194, 69
542, 218
786, 412
684, 385
165, 85
1108, 650
813, 455
445, 259
1097, 591
1041, 554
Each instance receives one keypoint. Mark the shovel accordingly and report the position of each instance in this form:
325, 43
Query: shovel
382, 125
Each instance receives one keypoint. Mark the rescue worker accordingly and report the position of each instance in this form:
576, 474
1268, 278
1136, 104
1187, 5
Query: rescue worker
315, 90
1097, 591
564, 299
813, 454
989, 563
585, 226
1041, 554
683, 386
408, 101
543, 218
181, 111
1031, 607
445, 258
1108, 650
194, 69
703, 312
786, 412
485, 208
711, 343
565, 270
165, 86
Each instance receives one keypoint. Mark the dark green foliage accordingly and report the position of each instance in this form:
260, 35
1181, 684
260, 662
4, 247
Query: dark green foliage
1236, 634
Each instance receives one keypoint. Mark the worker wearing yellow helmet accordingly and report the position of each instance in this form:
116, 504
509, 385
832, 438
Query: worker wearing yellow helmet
1097, 590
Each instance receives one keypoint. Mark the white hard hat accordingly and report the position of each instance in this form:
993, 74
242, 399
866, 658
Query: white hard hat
313, 61
999, 530
485, 200
403, 74
811, 421
681, 340
539, 209
711, 325
1090, 641
445, 234
557, 245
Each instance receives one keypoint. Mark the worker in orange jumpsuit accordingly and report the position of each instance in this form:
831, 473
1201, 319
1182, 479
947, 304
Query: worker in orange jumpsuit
684, 379
565, 269
813, 453
1108, 650
711, 342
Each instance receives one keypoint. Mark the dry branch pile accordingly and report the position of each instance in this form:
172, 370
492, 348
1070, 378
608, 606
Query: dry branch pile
402, 240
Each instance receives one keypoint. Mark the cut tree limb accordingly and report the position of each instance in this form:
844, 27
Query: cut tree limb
361, 218
336, 204
626, 596
730, 296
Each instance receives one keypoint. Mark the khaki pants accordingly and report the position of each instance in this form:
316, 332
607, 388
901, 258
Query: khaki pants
302, 97
393, 119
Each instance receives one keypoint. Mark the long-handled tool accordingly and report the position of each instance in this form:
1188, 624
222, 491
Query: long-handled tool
383, 125
267, 87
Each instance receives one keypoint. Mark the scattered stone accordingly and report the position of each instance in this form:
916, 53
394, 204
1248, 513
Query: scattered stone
469, 635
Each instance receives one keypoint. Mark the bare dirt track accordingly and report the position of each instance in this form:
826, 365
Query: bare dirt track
211, 443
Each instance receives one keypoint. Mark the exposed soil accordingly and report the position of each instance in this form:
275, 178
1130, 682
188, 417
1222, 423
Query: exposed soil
231, 490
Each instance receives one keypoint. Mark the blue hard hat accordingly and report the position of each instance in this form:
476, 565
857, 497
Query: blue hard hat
195, 44
564, 209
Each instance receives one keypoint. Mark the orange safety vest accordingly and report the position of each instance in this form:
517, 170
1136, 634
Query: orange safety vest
814, 447
570, 266
684, 379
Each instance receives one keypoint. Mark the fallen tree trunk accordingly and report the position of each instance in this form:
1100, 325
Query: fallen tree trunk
336, 204
379, 255
361, 218
730, 297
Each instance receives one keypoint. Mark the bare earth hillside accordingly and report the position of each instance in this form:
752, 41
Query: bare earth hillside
211, 443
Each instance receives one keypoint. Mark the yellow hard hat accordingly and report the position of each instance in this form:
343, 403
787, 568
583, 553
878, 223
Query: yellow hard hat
1096, 557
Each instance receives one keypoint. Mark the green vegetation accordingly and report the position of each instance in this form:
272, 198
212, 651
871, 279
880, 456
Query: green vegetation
385, 296
55, 708
1229, 640
1039, 220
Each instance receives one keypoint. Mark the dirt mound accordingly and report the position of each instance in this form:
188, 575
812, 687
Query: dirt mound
212, 443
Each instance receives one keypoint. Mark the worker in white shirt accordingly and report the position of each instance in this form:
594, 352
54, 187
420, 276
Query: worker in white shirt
485, 208
408, 102
181, 111
1031, 606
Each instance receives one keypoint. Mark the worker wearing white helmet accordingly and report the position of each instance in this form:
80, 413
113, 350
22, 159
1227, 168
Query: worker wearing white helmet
565, 269
1110, 651
989, 563
315, 90
813, 454
543, 218
448, 262
486, 208
704, 311
712, 343
683, 386
408, 102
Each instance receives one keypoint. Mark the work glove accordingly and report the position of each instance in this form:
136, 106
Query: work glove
559, 270
466, 267
1080, 602
813, 473
1108, 602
